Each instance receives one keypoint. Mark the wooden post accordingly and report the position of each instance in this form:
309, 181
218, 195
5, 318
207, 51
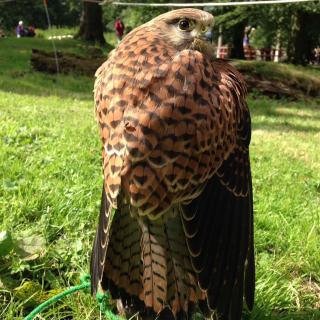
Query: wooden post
277, 51
219, 42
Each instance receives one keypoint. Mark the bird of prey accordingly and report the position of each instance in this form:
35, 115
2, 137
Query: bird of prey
175, 232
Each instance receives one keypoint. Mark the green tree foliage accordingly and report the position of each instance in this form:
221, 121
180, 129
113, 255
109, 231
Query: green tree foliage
135, 16
296, 26
304, 32
62, 13
30, 11
132, 17
233, 20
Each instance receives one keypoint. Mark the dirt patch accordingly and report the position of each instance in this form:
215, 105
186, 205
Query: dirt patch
275, 89
277, 85
68, 63
311, 287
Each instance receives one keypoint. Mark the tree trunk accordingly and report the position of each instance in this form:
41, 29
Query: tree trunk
300, 45
237, 41
91, 26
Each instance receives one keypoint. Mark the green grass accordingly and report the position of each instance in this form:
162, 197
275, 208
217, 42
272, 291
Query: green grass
286, 179
54, 31
50, 180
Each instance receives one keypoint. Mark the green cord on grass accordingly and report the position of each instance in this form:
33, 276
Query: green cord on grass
102, 299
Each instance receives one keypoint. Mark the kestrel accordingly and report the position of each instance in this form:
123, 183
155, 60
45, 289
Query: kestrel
175, 232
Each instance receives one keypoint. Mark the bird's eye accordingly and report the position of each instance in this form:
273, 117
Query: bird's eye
184, 25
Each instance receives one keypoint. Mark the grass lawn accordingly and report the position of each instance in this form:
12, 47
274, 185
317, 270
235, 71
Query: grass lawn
50, 180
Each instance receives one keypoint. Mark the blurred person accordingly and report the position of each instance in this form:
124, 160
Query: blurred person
119, 29
246, 39
31, 32
20, 32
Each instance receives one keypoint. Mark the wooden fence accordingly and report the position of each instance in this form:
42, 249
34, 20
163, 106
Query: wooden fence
264, 54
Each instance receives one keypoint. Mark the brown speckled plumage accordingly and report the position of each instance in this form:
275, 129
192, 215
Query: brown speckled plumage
175, 129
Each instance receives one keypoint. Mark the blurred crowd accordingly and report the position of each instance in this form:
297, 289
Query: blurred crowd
22, 31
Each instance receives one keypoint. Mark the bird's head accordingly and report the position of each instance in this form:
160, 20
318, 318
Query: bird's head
184, 28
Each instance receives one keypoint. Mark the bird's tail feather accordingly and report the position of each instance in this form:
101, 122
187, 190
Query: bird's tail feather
148, 266
182, 286
123, 255
101, 242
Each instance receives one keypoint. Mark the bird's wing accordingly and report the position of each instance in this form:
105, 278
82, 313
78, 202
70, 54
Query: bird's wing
101, 241
219, 226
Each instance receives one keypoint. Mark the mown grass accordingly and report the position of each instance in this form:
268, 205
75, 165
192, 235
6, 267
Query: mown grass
286, 180
50, 182
56, 31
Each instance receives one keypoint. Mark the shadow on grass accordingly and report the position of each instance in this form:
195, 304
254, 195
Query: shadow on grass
289, 115
271, 109
285, 116
283, 127
39, 84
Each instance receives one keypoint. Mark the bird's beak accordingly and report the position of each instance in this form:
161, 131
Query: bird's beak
207, 36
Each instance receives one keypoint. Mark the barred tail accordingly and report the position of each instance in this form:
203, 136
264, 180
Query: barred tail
148, 267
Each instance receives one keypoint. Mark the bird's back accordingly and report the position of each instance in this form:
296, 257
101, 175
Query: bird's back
175, 129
